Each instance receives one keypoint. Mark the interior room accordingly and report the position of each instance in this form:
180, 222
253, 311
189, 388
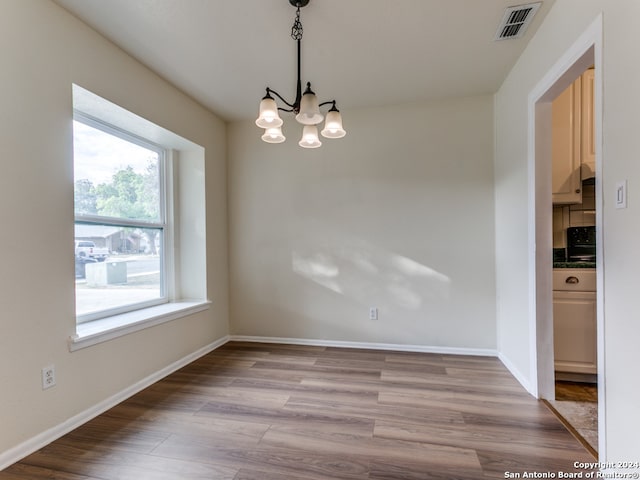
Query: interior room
426, 235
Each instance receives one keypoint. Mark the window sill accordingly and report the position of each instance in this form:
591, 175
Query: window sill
105, 329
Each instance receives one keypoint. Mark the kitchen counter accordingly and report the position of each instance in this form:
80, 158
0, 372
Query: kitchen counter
574, 264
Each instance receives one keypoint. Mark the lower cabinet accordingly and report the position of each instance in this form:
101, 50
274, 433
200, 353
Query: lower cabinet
574, 331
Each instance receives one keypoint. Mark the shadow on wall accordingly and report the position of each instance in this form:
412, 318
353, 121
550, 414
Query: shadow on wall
364, 272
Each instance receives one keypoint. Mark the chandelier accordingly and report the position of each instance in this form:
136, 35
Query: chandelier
305, 106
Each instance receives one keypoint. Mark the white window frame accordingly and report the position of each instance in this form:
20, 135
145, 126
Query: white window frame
165, 223
185, 272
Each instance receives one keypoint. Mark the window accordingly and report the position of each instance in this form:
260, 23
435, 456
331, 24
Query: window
140, 222
121, 226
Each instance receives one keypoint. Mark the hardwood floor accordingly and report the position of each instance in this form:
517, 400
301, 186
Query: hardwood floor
265, 412
577, 392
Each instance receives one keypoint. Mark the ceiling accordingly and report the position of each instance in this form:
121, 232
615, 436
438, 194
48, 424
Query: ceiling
363, 53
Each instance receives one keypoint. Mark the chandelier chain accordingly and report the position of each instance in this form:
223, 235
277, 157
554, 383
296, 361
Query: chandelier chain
296, 29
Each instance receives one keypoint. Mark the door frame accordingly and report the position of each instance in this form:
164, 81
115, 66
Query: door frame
586, 51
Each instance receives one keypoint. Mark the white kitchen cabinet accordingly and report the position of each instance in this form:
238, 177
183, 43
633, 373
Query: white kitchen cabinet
587, 128
573, 140
574, 321
565, 145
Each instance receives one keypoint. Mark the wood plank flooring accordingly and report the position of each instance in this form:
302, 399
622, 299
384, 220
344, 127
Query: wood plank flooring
264, 412
576, 392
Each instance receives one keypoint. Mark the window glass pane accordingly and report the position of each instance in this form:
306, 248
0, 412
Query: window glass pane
118, 194
116, 267
114, 177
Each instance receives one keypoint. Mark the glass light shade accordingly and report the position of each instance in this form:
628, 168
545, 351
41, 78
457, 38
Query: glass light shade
273, 135
310, 137
309, 110
333, 125
268, 117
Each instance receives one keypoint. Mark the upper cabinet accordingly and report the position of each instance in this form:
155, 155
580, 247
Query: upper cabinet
565, 145
572, 140
588, 143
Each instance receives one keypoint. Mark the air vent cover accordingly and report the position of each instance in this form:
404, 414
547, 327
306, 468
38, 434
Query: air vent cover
516, 20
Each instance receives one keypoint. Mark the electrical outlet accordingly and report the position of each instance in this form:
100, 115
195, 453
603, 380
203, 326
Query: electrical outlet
373, 313
48, 377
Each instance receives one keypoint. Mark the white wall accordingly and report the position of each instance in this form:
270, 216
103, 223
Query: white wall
562, 26
44, 50
398, 215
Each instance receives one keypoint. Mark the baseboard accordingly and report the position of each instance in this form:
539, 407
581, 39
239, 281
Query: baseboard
26, 448
483, 352
577, 377
518, 375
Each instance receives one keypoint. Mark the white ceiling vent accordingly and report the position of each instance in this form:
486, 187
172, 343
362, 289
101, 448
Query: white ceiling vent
516, 20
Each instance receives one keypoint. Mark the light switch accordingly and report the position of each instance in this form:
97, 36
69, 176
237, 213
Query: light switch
621, 194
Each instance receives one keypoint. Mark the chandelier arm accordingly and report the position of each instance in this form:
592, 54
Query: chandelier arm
288, 110
327, 103
270, 90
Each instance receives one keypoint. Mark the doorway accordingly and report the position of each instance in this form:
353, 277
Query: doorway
586, 52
